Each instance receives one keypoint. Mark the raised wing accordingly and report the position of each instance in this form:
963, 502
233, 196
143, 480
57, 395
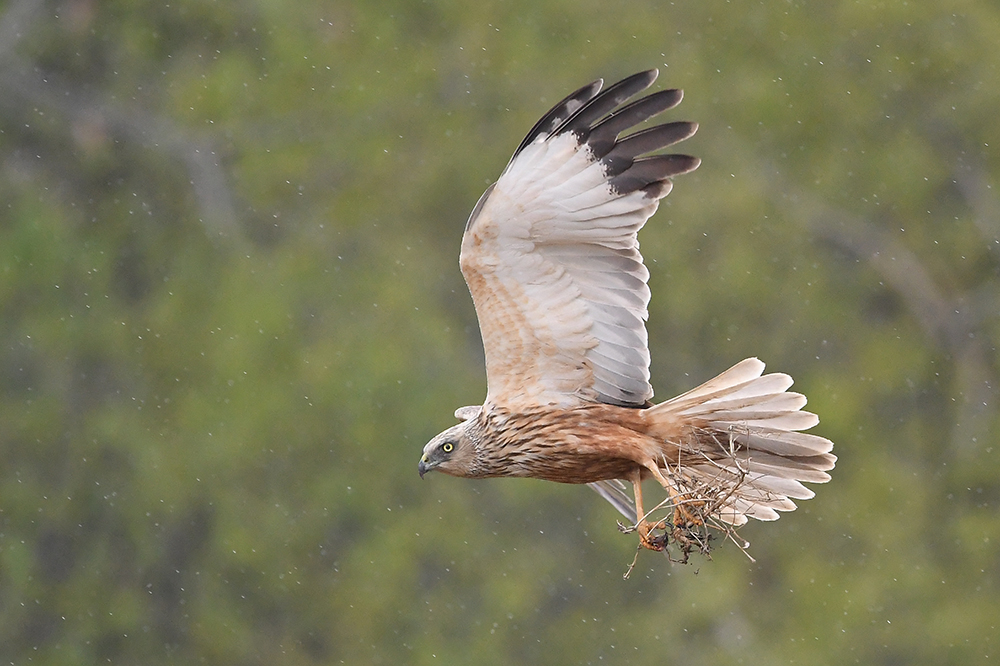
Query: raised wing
550, 252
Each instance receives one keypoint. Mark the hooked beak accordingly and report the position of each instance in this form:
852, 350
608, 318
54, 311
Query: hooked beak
422, 467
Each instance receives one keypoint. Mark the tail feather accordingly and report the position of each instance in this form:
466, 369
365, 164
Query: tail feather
785, 468
774, 420
785, 443
741, 373
784, 402
744, 427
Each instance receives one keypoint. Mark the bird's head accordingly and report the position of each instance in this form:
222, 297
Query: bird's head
453, 451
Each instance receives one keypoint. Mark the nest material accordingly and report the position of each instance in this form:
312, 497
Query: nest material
689, 519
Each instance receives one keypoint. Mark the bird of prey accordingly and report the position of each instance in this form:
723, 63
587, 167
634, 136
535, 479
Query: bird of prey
551, 257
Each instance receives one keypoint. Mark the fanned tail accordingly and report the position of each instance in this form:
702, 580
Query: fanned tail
743, 456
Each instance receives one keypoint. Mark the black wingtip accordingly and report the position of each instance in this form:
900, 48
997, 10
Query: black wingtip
647, 171
562, 111
603, 136
620, 154
597, 118
603, 104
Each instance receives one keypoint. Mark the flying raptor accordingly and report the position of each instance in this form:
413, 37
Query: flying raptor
551, 256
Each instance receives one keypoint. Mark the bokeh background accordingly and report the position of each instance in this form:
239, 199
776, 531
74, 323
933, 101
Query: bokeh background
231, 315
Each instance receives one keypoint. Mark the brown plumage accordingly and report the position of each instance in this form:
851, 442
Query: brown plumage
551, 257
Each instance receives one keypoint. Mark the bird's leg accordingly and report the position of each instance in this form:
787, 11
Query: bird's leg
682, 516
645, 528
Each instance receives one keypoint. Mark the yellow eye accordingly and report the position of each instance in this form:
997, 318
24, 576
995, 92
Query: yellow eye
447, 447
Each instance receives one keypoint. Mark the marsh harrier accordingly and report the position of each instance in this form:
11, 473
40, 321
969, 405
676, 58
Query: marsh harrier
551, 257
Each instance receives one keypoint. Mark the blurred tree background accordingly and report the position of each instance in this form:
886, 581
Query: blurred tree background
231, 315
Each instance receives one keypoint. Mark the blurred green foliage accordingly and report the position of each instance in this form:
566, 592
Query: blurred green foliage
231, 316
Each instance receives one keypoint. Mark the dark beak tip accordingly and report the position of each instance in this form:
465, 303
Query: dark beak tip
421, 469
